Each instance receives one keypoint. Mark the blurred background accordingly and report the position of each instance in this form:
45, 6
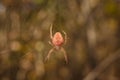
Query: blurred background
92, 27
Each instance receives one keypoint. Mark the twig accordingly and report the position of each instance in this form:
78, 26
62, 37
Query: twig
102, 66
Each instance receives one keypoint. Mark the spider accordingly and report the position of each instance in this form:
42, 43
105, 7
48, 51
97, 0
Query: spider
57, 42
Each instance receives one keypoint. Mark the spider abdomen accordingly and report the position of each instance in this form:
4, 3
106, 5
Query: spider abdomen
57, 39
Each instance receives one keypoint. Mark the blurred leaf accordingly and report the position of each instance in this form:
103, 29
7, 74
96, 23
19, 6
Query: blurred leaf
111, 8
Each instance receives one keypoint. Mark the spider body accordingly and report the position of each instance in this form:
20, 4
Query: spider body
57, 41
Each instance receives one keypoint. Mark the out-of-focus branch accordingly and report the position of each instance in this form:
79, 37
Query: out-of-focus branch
102, 66
86, 8
91, 42
86, 19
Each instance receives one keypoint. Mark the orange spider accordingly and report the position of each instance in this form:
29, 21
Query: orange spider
57, 42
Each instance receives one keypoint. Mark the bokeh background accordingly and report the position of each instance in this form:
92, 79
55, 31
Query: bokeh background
93, 44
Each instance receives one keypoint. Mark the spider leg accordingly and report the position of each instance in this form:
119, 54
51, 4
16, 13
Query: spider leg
50, 43
49, 53
51, 35
65, 55
65, 36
